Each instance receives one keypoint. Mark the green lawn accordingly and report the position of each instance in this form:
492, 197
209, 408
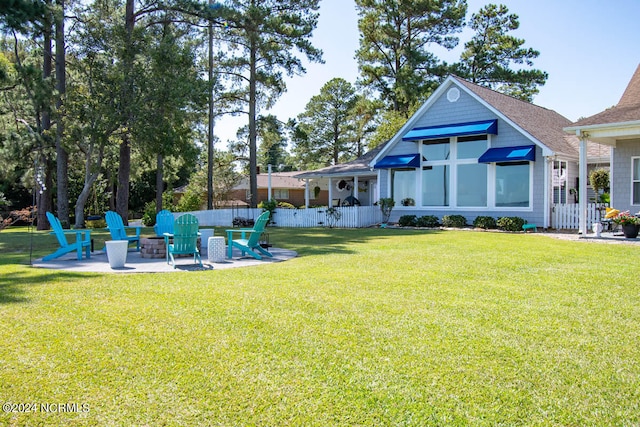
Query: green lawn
366, 327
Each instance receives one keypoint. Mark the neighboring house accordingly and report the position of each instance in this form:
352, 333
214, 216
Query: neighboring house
284, 188
471, 151
619, 128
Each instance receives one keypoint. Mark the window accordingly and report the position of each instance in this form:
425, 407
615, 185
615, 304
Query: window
472, 185
471, 147
280, 193
512, 184
437, 149
635, 180
559, 181
403, 183
435, 185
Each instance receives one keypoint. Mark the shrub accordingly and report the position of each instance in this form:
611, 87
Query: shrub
407, 221
486, 222
511, 223
430, 221
96, 223
190, 201
149, 216
455, 221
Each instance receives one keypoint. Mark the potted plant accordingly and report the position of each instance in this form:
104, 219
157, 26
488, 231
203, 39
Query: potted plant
386, 205
408, 202
630, 224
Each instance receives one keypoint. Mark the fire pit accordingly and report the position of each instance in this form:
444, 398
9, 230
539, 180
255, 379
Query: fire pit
153, 247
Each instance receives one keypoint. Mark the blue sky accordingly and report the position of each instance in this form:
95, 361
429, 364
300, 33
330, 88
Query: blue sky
589, 48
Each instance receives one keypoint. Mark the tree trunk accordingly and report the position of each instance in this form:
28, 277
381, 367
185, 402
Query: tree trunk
159, 182
44, 193
62, 157
253, 162
124, 170
122, 194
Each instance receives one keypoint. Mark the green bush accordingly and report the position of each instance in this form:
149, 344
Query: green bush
285, 205
96, 223
455, 221
486, 222
149, 216
190, 201
430, 221
407, 221
511, 223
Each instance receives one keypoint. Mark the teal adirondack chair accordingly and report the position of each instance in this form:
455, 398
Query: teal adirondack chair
164, 223
185, 239
83, 240
119, 231
250, 245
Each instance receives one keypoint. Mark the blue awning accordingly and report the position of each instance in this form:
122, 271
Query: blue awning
509, 154
401, 161
460, 129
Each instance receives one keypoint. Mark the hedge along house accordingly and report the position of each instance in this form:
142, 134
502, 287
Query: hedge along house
619, 128
472, 151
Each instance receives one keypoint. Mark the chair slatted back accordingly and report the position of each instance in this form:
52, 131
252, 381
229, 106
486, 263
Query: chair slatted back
258, 229
115, 225
58, 230
164, 222
185, 234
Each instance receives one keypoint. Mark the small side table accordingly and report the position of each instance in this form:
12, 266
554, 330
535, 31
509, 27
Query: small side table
215, 249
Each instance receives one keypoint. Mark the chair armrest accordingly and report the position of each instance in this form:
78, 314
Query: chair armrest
137, 227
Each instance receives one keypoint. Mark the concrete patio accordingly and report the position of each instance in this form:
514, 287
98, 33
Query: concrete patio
98, 263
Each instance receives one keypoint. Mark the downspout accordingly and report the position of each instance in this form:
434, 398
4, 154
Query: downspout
582, 190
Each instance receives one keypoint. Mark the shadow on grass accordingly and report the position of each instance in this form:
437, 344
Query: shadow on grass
14, 284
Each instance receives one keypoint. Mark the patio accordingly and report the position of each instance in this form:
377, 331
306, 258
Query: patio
135, 263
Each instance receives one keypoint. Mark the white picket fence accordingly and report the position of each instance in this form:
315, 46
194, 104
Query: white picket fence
567, 216
350, 217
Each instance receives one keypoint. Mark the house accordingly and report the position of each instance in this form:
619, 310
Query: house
470, 151
618, 128
284, 186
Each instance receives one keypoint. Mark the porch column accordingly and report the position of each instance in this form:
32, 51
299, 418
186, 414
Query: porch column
548, 192
306, 192
582, 191
355, 188
330, 202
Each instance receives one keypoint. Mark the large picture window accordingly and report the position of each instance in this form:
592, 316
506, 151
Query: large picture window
635, 181
512, 184
435, 185
403, 184
472, 185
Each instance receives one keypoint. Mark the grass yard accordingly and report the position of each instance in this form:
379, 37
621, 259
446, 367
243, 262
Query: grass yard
366, 327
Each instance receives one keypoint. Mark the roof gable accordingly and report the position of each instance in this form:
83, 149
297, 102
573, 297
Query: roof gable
542, 126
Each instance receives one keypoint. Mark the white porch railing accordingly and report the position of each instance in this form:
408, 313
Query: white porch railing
350, 217
567, 216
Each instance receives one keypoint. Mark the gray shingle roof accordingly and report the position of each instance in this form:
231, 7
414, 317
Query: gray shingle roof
357, 166
541, 123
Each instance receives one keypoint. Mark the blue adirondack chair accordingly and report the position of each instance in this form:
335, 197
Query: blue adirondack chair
83, 240
250, 245
185, 239
164, 223
119, 231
